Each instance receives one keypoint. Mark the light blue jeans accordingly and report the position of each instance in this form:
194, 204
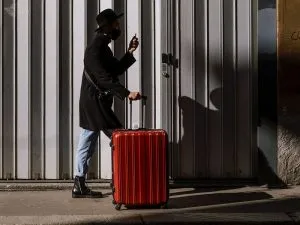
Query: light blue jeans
85, 150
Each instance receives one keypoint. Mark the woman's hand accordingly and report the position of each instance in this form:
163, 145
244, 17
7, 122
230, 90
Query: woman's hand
133, 45
134, 96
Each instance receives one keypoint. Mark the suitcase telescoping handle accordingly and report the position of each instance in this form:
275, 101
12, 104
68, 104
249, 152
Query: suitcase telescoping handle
144, 100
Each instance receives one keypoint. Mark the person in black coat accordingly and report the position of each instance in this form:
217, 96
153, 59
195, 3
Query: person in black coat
99, 84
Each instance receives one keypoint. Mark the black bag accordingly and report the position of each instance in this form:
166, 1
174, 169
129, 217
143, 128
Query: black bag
102, 94
105, 103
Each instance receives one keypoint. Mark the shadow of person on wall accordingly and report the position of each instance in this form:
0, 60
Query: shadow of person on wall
193, 115
200, 126
194, 155
200, 147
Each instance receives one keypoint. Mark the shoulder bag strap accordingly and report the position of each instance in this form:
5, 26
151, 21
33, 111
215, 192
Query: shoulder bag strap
91, 81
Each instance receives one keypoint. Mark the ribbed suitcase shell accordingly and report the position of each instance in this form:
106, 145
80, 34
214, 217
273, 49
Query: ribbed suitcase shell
140, 170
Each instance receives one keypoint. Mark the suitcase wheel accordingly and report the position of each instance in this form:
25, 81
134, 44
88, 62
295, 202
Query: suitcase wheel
118, 206
114, 202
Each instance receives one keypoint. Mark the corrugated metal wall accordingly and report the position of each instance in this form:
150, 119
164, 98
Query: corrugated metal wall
43, 42
42, 45
214, 90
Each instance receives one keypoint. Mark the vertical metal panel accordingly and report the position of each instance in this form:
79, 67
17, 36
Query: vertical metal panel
65, 87
209, 122
9, 86
187, 88
133, 79
105, 148
52, 89
105, 152
71, 83
1, 91
215, 65
158, 52
147, 58
79, 43
166, 79
154, 55
201, 95
23, 87
243, 88
211, 90
254, 86
37, 93
98, 148
92, 11
175, 88
120, 46
229, 89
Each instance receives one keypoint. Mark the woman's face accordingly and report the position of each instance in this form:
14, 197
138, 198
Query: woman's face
115, 25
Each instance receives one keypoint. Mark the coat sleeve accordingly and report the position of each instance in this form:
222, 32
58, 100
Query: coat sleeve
120, 66
100, 62
106, 83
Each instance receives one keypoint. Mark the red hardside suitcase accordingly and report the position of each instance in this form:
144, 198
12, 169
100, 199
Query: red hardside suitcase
139, 167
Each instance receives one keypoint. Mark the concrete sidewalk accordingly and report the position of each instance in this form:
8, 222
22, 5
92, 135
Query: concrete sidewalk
248, 205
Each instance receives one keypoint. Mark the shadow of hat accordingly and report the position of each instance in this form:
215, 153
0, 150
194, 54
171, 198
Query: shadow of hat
216, 97
185, 103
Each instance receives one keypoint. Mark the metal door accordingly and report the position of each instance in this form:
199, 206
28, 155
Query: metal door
208, 87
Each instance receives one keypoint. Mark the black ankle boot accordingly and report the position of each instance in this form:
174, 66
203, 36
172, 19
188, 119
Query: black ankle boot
80, 190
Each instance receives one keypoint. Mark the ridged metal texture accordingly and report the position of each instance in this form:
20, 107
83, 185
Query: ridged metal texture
213, 92
140, 167
42, 44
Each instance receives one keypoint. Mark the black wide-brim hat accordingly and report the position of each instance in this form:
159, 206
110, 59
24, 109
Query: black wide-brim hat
106, 17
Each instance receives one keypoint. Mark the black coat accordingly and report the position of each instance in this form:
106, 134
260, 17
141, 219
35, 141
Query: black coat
104, 69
